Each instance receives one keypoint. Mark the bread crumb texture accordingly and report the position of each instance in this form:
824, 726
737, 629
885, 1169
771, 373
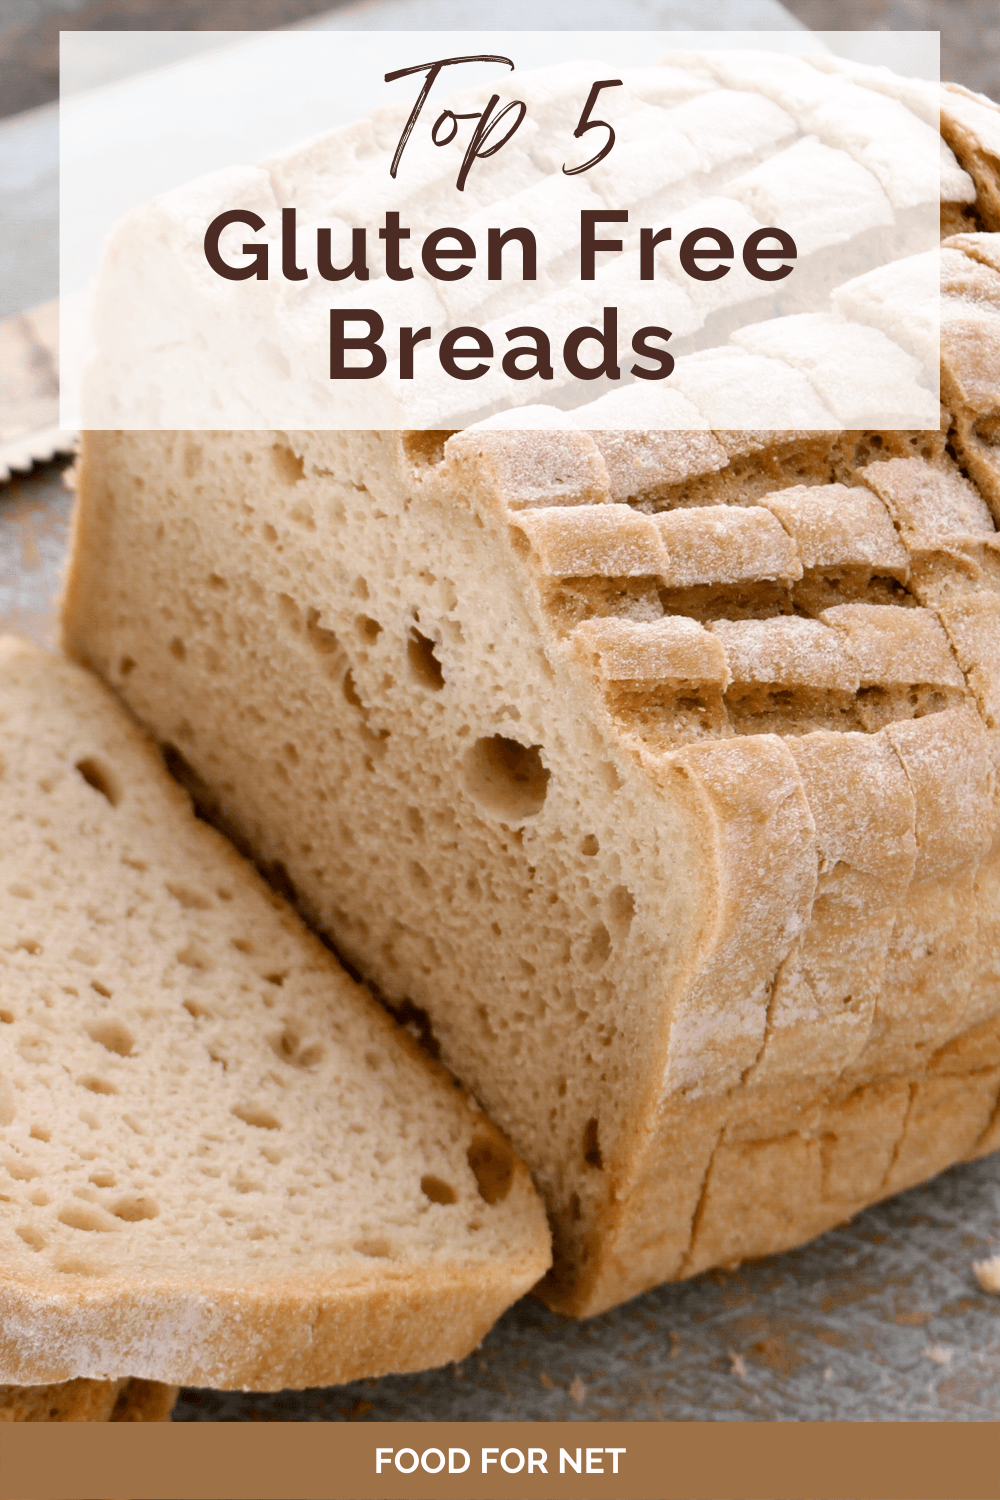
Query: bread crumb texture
220, 1163
652, 775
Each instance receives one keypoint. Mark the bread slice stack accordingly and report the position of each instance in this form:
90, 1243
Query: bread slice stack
221, 1162
658, 768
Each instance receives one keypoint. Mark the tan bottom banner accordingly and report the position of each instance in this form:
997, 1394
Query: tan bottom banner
502, 1461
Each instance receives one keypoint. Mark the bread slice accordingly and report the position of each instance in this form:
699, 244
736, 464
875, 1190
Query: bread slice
89, 1401
221, 1163
657, 768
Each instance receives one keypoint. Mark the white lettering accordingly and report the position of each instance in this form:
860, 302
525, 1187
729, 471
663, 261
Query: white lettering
452, 1452
382, 1456
594, 1464
487, 1460
538, 1456
436, 1469
614, 1458
401, 1467
506, 1466
565, 1459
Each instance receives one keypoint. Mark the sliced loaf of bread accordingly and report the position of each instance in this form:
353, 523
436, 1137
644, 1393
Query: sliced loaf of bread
220, 1162
658, 767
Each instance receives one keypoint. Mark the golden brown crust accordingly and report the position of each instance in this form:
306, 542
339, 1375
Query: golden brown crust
970, 123
281, 1335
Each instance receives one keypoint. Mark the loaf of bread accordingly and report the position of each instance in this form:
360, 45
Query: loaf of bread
221, 1163
657, 769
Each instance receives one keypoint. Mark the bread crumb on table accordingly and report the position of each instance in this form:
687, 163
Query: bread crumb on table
988, 1274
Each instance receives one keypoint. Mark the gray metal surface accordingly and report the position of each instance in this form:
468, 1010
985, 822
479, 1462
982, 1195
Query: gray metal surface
882, 1320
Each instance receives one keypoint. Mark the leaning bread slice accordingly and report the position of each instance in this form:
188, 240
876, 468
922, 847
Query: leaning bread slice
221, 1164
88, 1401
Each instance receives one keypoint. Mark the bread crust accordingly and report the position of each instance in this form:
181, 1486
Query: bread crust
284, 1334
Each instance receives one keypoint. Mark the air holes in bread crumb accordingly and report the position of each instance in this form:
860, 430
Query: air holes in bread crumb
374, 1249
7, 1017
30, 945
288, 466
87, 1216
96, 1085
368, 629
112, 1035
350, 691
591, 1145
621, 909
250, 1114
75, 1265
22, 892
424, 665
424, 448
178, 649
492, 1163
609, 776
39, 1133
103, 1179
506, 777
598, 948
193, 956
100, 989
194, 1009
287, 1044
31, 1236
191, 900
436, 1190
322, 640
243, 945
590, 846
126, 666
134, 1207
103, 780
20, 1170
